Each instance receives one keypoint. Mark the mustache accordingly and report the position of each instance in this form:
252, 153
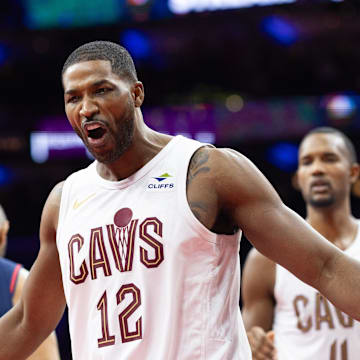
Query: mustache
320, 182
93, 121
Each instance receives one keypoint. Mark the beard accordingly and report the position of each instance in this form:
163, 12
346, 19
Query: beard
322, 203
122, 137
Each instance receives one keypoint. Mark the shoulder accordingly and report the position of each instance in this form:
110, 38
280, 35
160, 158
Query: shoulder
234, 177
216, 161
229, 184
50, 215
54, 197
57, 191
219, 155
209, 177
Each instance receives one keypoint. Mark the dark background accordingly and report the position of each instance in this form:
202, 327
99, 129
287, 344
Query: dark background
291, 67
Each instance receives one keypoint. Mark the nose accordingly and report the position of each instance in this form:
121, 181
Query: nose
88, 108
317, 168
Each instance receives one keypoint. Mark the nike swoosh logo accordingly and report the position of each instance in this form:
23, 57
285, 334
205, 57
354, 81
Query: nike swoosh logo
79, 203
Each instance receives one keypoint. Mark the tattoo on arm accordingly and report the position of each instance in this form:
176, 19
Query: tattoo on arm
198, 164
198, 207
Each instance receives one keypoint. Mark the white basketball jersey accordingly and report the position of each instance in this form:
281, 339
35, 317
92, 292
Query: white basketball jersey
143, 278
307, 326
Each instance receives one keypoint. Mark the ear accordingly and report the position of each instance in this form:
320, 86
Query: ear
295, 182
138, 93
354, 173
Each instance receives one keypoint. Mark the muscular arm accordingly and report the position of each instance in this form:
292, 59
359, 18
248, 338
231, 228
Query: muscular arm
42, 302
234, 186
258, 282
48, 350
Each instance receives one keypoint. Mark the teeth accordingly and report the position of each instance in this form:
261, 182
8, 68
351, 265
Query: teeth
93, 126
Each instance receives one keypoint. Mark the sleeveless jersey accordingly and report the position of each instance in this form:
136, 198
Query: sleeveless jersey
307, 326
9, 272
143, 278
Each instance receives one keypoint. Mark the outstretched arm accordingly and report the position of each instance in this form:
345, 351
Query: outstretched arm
282, 235
42, 303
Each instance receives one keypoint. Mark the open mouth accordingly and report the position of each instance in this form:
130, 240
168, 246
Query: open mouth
95, 131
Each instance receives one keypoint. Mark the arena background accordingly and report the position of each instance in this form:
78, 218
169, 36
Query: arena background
254, 75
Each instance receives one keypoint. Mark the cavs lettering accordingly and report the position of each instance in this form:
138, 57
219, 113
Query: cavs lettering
120, 238
323, 316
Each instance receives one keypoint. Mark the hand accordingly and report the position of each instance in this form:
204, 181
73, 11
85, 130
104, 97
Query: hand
262, 344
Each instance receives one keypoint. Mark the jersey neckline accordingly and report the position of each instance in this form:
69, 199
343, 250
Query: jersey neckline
138, 174
356, 242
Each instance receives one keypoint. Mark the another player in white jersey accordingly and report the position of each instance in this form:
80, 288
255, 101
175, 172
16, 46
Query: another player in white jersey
306, 324
143, 244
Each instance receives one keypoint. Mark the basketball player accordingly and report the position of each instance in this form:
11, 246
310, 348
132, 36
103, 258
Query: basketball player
304, 321
143, 244
12, 280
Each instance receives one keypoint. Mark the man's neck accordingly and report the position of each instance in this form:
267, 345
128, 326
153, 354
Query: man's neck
336, 224
145, 145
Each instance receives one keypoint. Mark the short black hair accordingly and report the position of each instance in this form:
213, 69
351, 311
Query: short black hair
121, 61
329, 130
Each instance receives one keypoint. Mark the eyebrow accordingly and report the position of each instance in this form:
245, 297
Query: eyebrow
70, 92
100, 82
95, 84
326, 153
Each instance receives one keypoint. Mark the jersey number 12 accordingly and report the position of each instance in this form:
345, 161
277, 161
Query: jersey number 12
126, 335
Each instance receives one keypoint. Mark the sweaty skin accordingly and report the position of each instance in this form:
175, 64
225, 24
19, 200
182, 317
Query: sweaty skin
225, 191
